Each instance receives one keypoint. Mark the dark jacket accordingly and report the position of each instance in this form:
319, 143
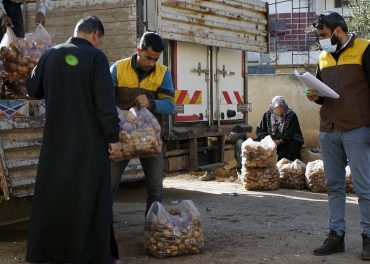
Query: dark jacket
347, 73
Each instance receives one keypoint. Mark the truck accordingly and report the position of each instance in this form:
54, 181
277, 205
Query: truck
206, 47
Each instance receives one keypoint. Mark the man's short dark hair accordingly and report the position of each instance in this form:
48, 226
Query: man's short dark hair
153, 40
90, 24
331, 20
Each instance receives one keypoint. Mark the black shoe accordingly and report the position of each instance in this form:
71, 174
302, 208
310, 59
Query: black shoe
333, 244
366, 247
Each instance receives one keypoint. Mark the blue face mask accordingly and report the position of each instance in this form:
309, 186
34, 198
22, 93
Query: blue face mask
327, 46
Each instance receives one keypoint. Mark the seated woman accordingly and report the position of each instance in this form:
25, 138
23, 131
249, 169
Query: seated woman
281, 123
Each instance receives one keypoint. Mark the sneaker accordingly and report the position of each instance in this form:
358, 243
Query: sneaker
209, 176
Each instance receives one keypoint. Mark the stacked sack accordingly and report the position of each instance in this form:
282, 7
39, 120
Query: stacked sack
315, 177
259, 165
349, 183
174, 233
292, 174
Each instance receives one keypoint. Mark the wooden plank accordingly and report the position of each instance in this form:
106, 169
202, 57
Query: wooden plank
105, 15
118, 17
231, 24
82, 5
211, 42
110, 29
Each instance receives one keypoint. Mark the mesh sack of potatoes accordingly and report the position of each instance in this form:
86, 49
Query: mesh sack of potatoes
292, 174
349, 183
21, 55
261, 178
174, 233
259, 154
315, 177
140, 134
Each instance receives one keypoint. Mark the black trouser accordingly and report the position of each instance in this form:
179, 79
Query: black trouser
14, 12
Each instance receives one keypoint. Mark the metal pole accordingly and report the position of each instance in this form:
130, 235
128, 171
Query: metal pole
276, 37
209, 93
217, 80
246, 86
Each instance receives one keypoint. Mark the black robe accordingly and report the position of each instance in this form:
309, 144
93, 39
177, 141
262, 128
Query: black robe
72, 217
291, 135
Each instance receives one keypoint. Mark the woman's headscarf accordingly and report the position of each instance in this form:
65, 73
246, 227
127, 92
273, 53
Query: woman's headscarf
277, 122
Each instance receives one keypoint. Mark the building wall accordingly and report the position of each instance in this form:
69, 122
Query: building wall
118, 17
288, 31
261, 90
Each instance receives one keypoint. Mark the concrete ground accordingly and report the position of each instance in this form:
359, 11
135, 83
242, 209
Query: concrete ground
282, 226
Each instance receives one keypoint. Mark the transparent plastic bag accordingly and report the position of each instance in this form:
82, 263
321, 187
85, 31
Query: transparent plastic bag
22, 55
259, 154
9, 54
140, 134
315, 177
292, 174
261, 178
174, 233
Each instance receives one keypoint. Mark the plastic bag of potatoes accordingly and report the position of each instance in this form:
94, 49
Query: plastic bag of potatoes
259, 154
261, 178
292, 174
349, 183
315, 177
174, 233
140, 134
21, 55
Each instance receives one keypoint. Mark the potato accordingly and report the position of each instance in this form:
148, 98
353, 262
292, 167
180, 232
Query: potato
31, 59
261, 178
9, 66
23, 61
315, 177
10, 55
173, 234
23, 70
292, 174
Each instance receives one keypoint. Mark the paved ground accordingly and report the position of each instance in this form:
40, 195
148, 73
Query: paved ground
282, 226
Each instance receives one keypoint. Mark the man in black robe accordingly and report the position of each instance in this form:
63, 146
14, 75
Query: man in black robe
72, 217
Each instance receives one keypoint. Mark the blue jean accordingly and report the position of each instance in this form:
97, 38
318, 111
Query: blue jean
153, 170
336, 148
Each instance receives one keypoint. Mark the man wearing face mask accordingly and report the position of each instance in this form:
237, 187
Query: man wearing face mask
344, 65
143, 82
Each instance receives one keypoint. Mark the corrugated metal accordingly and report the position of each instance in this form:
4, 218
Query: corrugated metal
234, 24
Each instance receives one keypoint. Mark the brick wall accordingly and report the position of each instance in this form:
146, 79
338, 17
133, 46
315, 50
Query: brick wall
287, 31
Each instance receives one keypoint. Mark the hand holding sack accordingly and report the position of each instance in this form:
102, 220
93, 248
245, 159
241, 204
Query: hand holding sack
20, 56
140, 134
259, 165
292, 174
174, 233
315, 177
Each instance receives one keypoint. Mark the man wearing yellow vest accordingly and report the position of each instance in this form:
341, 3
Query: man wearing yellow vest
141, 81
344, 65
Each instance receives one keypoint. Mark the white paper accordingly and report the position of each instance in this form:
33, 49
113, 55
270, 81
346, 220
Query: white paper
313, 83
